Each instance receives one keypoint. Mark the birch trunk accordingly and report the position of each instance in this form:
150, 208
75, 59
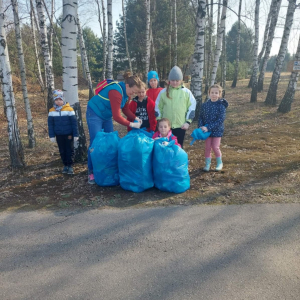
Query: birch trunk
224, 62
272, 92
209, 46
147, 54
238, 43
274, 18
99, 17
170, 35
70, 79
288, 98
84, 59
14, 141
175, 33
51, 32
104, 41
110, 40
33, 29
30, 127
255, 59
125, 36
221, 32
198, 58
45, 51
153, 49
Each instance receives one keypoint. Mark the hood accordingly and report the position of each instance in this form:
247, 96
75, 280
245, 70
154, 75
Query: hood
221, 101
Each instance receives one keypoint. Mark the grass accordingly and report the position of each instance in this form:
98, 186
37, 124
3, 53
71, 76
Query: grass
260, 151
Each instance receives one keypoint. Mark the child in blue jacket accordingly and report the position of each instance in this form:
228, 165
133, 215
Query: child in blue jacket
212, 117
62, 126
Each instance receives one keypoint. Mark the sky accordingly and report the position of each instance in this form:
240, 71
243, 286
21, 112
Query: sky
248, 16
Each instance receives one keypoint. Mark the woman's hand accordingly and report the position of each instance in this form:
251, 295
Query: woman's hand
135, 125
204, 129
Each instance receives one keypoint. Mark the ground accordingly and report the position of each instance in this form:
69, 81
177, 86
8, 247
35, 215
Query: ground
260, 151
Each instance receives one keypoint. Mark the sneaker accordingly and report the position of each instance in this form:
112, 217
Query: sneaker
70, 171
65, 170
91, 179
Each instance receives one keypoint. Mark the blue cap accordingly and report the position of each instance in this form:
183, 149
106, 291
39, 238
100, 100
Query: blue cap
153, 74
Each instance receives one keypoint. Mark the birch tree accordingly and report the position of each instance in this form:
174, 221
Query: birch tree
175, 33
84, 59
110, 40
221, 32
45, 52
104, 41
224, 62
272, 92
153, 49
209, 48
238, 42
33, 29
274, 18
70, 79
255, 52
125, 36
288, 98
14, 141
30, 128
147, 52
198, 58
170, 34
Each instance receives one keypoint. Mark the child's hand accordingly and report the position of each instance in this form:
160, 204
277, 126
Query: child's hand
53, 140
185, 126
165, 143
204, 129
157, 138
139, 120
76, 138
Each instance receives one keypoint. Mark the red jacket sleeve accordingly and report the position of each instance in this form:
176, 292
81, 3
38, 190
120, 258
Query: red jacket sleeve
115, 99
132, 107
151, 113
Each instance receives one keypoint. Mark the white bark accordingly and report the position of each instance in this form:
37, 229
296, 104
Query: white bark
153, 49
110, 40
224, 62
221, 32
99, 16
170, 35
274, 18
15, 145
45, 51
125, 37
51, 31
272, 92
288, 98
198, 58
30, 127
147, 52
255, 52
84, 59
33, 29
104, 41
70, 79
175, 34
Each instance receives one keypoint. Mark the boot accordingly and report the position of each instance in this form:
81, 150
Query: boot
65, 170
219, 166
207, 164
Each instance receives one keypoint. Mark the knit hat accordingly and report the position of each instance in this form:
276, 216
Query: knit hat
153, 74
58, 94
175, 74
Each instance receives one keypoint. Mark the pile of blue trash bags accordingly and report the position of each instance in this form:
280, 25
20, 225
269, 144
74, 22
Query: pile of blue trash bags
137, 162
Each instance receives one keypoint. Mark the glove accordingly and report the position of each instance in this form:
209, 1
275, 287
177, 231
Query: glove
76, 138
135, 125
204, 129
53, 140
139, 120
185, 126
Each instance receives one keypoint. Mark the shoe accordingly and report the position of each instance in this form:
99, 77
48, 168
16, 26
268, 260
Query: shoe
70, 171
207, 164
91, 179
219, 166
65, 170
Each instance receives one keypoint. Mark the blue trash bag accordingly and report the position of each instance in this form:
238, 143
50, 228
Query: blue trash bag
170, 167
144, 130
104, 155
198, 134
135, 161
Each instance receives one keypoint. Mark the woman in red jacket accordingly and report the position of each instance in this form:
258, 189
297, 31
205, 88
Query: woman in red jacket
143, 108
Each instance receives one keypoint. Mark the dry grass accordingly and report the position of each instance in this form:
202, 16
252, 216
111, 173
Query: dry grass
260, 153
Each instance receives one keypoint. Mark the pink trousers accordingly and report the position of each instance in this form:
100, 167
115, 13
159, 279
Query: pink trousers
214, 144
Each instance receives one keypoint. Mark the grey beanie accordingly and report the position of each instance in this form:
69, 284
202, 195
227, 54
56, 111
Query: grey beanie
175, 74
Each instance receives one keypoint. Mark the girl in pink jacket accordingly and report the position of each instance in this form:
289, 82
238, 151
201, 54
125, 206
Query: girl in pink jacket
164, 131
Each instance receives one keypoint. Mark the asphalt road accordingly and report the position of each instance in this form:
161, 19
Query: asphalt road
174, 253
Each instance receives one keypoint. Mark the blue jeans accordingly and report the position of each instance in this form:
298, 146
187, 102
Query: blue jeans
95, 124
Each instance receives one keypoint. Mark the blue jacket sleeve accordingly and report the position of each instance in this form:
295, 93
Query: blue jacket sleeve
51, 126
219, 121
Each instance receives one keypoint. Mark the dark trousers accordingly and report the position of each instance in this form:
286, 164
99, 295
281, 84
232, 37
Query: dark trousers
66, 148
179, 133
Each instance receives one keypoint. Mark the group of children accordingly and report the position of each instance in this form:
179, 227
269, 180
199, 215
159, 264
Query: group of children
168, 112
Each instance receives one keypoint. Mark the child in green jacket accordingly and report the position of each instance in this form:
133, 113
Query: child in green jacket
176, 103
